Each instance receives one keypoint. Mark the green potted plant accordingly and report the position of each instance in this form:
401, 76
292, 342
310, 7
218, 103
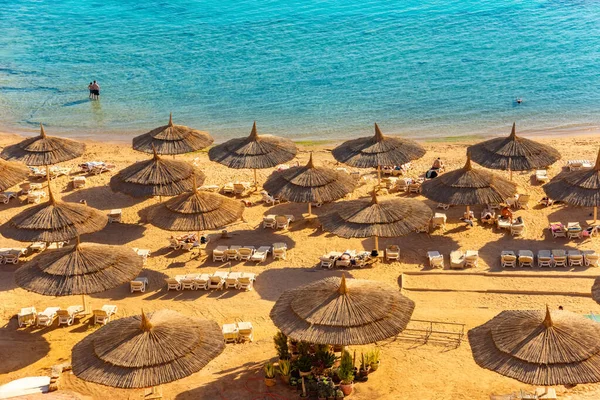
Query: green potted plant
303, 348
269, 369
322, 393
346, 373
374, 359
323, 361
313, 388
363, 371
339, 394
281, 346
285, 370
304, 364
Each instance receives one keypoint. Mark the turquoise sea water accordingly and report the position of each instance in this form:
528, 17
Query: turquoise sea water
306, 69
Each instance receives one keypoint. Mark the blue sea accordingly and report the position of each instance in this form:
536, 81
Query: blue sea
304, 69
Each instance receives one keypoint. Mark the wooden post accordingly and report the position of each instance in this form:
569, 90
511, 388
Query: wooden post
377, 244
309, 209
255, 179
379, 175
85, 307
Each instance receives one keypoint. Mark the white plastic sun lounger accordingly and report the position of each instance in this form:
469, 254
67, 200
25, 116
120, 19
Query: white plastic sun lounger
260, 255
47, 317
436, 260
27, 316
232, 280
103, 315
67, 317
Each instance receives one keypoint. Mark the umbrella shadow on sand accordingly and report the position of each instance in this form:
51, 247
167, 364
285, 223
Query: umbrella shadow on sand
565, 213
20, 347
271, 283
116, 234
102, 198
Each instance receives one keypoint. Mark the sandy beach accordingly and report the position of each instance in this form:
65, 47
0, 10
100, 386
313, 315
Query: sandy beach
409, 370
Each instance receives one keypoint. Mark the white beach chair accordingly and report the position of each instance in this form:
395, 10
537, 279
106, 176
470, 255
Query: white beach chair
144, 253
575, 258
68, 316
36, 197
175, 244
328, 260
189, 282
402, 184
230, 333
47, 317
544, 259
574, 230
138, 284
27, 316
6, 196
245, 331
246, 281
268, 199
115, 215
279, 251
541, 176
557, 229
79, 182
508, 259
523, 201
503, 223
201, 281
525, 258
104, 315
436, 260
232, 253
231, 282
10, 258
345, 259
217, 280
457, 259
245, 253
219, 253
392, 252
559, 257
471, 258
591, 258
37, 246
227, 188
283, 221
439, 221
517, 229
260, 255
174, 283
269, 221
240, 187
414, 187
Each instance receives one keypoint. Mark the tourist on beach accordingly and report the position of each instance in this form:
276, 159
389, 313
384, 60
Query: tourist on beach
95, 90
91, 90
506, 213
438, 164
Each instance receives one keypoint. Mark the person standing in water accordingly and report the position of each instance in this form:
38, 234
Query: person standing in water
95, 90
91, 90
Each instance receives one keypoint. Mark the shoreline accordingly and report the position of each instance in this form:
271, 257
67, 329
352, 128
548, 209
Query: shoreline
121, 138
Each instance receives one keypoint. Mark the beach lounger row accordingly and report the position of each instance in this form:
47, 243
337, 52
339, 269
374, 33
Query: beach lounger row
572, 230
349, 258
238, 188
549, 258
96, 167
396, 170
277, 221
466, 259
516, 226
576, 165
28, 187
36, 196
55, 172
238, 332
249, 253
219, 280
30, 317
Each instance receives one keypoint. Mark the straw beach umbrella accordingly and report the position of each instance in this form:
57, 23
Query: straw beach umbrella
513, 153
43, 150
342, 312
54, 221
467, 187
156, 177
577, 188
253, 152
195, 211
365, 218
172, 139
11, 173
144, 351
79, 269
539, 348
309, 184
377, 151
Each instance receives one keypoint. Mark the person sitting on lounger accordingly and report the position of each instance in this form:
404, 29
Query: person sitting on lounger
438, 164
506, 213
487, 215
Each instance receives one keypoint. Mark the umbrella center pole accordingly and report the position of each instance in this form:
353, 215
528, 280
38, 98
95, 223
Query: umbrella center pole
309, 209
377, 243
85, 305
255, 180
379, 175
155, 392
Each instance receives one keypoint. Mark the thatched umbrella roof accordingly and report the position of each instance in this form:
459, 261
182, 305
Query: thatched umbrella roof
54, 221
195, 211
79, 269
513, 153
596, 290
539, 348
11, 173
253, 152
309, 184
143, 351
376, 151
156, 177
364, 218
43, 150
342, 312
467, 186
577, 188
172, 139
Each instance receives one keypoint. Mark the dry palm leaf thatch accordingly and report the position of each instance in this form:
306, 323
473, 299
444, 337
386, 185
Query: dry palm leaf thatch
596, 290
467, 186
54, 221
342, 312
253, 152
309, 184
143, 351
577, 188
156, 177
513, 153
539, 347
195, 211
79, 269
377, 151
172, 139
364, 218
43, 150
11, 173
